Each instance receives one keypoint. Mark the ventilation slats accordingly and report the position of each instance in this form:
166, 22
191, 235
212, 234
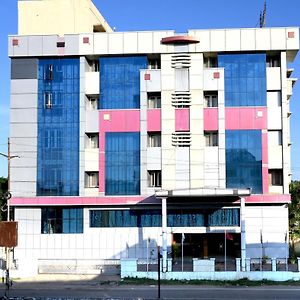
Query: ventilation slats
181, 139
181, 60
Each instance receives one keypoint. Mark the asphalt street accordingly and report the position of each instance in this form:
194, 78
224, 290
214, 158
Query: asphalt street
53, 290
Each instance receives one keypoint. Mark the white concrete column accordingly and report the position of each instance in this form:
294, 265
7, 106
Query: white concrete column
238, 264
243, 234
164, 234
274, 260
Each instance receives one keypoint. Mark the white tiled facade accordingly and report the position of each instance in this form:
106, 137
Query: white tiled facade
185, 161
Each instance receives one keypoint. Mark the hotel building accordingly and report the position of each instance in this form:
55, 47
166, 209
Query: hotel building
127, 140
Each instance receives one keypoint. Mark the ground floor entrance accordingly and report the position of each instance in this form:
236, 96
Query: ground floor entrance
206, 245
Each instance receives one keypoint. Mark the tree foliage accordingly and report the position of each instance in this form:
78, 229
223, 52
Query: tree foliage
3, 190
294, 212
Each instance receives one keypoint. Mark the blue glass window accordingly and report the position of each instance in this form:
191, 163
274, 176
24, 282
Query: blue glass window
58, 127
244, 159
179, 218
120, 81
122, 163
62, 220
245, 79
224, 217
125, 218
175, 218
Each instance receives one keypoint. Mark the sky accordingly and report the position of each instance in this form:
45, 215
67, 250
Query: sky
178, 15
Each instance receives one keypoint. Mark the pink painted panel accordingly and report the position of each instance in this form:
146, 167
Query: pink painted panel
101, 161
154, 119
119, 120
40, 201
265, 179
211, 119
246, 118
265, 172
102, 171
268, 199
182, 119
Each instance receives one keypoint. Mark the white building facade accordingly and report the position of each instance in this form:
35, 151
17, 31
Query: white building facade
129, 139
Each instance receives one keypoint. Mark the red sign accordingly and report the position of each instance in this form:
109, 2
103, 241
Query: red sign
291, 34
15, 42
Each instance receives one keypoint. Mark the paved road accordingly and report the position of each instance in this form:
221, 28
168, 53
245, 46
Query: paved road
110, 291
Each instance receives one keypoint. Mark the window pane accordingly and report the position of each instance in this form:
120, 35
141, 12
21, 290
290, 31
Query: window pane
120, 81
58, 128
122, 167
245, 79
244, 159
62, 220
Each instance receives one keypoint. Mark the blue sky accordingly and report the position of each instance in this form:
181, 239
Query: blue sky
176, 15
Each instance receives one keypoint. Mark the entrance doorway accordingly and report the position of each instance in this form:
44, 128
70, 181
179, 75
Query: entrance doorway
206, 245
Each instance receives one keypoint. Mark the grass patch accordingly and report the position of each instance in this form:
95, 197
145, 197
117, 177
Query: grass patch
229, 283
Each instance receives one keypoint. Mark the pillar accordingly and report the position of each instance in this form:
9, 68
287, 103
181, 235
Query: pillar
243, 235
164, 234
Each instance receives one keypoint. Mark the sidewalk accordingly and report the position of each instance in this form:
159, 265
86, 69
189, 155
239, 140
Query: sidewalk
52, 281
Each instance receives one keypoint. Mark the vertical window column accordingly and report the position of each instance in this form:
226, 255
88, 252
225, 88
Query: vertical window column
244, 159
122, 163
58, 127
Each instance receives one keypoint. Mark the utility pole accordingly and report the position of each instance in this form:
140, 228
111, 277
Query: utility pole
9, 157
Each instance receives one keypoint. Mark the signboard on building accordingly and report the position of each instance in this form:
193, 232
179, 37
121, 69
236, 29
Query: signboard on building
8, 234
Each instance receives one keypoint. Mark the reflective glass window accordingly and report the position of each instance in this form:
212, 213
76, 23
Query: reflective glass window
245, 79
122, 163
120, 81
175, 218
62, 220
58, 127
244, 159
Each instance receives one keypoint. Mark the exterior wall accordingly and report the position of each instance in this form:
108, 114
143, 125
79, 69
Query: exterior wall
23, 132
188, 167
266, 231
74, 17
99, 44
168, 153
244, 39
94, 243
286, 137
196, 121
149, 42
150, 121
83, 118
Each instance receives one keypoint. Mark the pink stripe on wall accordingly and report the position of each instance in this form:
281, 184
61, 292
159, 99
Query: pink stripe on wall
268, 199
210, 119
114, 121
182, 119
154, 119
265, 171
39, 201
246, 118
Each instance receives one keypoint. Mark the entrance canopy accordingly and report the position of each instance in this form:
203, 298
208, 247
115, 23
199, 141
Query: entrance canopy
203, 192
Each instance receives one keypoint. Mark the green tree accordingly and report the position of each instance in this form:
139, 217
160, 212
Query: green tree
294, 214
3, 190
